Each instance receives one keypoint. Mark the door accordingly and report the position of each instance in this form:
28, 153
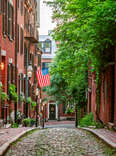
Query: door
52, 111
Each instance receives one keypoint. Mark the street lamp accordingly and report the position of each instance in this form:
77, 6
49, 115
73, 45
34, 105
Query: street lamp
37, 93
28, 75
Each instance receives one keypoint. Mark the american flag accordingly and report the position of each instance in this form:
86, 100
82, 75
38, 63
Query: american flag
43, 77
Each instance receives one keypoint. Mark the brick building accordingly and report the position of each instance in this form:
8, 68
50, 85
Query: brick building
7, 49
19, 23
105, 109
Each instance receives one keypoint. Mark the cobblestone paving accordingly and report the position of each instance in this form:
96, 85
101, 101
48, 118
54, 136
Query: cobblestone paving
58, 142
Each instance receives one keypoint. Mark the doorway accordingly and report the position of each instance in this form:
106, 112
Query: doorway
52, 111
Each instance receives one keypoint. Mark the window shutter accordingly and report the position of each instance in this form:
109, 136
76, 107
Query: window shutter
6, 15
21, 41
25, 57
8, 78
1, 4
17, 3
13, 74
35, 78
39, 60
3, 17
17, 38
33, 60
9, 20
22, 85
13, 37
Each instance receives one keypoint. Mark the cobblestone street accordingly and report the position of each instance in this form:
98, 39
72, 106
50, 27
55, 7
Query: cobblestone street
59, 142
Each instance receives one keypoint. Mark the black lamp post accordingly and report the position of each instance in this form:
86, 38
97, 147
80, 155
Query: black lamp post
37, 93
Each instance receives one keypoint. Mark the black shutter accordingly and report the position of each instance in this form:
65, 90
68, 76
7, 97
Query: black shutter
17, 38
21, 41
17, 3
21, 7
13, 29
8, 78
22, 85
25, 57
9, 20
1, 3
3, 17
39, 60
33, 60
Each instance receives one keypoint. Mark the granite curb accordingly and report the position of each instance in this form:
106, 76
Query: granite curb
5, 146
107, 141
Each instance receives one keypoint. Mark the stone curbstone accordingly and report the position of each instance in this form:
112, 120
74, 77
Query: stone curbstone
107, 141
5, 146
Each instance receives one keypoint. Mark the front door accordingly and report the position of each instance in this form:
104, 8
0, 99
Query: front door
52, 111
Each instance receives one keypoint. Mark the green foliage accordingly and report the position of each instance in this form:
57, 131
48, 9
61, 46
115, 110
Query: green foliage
69, 110
15, 125
88, 120
26, 122
34, 104
22, 97
12, 93
4, 96
32, 122
40, 114
29, 100
86, 31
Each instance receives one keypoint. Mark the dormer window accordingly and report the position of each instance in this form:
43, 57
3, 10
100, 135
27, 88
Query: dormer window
47, 46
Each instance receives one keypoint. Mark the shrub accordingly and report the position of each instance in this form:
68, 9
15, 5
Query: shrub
4, 96
88, 120
19, 117
29, 100
13, 93
15, 125
33, 104
32, 122
40, 115
26, 122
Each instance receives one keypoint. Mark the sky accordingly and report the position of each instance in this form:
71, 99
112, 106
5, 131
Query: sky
45, 19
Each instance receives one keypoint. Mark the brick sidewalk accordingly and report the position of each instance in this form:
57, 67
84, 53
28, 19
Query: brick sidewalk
106, 135
9, 133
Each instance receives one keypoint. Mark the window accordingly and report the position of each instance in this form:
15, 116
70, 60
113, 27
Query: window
45, 64
21, 41
11, 22
47, 46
